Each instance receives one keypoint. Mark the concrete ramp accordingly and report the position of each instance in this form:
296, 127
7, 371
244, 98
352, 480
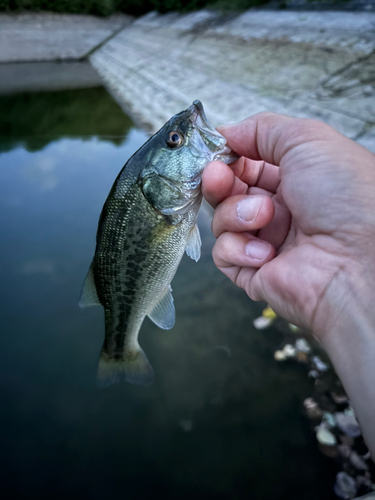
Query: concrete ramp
306, 64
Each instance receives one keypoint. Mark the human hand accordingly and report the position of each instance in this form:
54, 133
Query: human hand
295, 226
295, 216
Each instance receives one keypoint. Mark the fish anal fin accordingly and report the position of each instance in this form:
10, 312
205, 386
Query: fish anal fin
194, 243
89, 295
132, 367
163, 314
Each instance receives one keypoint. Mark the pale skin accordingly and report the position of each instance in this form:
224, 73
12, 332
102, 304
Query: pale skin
295, 226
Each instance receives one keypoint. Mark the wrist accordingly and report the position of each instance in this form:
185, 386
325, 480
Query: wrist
349, 339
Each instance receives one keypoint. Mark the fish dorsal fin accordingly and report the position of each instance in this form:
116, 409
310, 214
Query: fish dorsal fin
163, 314
89, 295
193, 244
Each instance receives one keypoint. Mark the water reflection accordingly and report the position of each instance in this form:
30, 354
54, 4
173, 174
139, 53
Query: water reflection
35, 119
213, 425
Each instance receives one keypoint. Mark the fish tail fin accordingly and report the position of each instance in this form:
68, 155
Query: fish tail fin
132, 367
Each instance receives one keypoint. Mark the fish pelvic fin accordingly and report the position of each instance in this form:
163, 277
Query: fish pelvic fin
133, 367
194, 244
163, 314
89, 294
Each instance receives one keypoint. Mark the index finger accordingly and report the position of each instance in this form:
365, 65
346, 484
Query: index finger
219, 182
269, 136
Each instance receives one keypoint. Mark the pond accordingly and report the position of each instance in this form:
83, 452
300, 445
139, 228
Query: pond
222, 419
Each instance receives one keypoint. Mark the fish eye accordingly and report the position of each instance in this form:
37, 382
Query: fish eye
174, 139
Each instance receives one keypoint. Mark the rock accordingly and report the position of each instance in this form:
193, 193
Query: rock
328, 451
329, 419
324, 436
344, 450
312, 409
269, 313
364, 481
347, 440
262, 323
366, 456
319, 364
358, 461
294, 328
345, 486
302, 357
339, 398
348, 424
310, 403
303, 346
280, 356
289, 350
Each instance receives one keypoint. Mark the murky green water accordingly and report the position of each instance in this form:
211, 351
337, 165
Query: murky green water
216, 424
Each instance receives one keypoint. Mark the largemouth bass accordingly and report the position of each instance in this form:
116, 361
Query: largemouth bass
147, 222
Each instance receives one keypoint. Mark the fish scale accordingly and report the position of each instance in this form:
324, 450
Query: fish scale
147, 222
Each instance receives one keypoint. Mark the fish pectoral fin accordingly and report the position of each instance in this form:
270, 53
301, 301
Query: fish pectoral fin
194, 243
89, 295
163, 314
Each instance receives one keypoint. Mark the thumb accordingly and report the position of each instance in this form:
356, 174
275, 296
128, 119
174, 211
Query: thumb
270, 137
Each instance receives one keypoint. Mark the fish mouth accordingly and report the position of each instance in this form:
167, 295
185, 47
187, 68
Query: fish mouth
200, 121
200, 113
209, 141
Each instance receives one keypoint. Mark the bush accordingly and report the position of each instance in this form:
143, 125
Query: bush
133, 7
98, 7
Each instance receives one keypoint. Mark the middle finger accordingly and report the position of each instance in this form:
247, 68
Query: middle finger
242, 213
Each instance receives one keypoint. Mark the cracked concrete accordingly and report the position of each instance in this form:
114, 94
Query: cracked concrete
307, 64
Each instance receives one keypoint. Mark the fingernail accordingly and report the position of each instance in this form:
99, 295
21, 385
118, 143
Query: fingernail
258, 250
248, 208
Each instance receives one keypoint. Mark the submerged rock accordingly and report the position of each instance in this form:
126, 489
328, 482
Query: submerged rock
347, 422
324, 436
294, 328
358, 461
344, 450
329, 419
288, 351
339, 399
262, 323
319, 364
267, 318
366, 482
345, 486
280, 356
301, 357
303, 346
269, 313
328, 451
312, 409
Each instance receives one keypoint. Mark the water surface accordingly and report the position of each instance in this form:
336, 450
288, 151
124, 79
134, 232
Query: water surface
221, 421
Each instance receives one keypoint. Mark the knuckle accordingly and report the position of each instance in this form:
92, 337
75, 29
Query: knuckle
214, 223
221, 250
